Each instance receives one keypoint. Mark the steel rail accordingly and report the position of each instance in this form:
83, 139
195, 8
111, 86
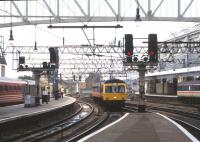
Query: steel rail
56, 127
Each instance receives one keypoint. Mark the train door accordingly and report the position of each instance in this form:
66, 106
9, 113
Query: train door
175, 86
164, 80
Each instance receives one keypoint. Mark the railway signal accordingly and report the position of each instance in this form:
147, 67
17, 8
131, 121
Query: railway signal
45, 65
21, 60
152, 48
53, 55
129, 47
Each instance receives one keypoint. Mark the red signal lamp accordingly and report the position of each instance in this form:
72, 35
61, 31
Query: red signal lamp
130, 53
151, 53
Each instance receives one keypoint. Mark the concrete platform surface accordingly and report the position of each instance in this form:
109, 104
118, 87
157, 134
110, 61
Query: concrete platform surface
141, 127
10, 113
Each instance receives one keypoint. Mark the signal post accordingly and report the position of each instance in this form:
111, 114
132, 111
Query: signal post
141, 103
141, 66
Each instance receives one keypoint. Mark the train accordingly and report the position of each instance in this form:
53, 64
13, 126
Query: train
112, 92
12, 91
189, 91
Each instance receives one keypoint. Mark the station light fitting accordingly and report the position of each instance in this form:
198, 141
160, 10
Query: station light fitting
137, 14
11, 35
11, 32
35, 46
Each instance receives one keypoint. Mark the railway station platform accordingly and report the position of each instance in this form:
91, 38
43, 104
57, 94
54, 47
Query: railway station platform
10, 113
141, 127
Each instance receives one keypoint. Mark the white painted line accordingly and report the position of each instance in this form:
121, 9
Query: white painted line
102, 129
190, 136
167, 96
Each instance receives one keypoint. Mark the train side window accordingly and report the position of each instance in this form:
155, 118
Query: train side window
179, 88
6, 88
187, 88
195, 88
96, 88
1, 88
18, 88
183, 88
10, 88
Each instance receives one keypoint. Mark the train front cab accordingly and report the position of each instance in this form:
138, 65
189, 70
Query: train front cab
114, 93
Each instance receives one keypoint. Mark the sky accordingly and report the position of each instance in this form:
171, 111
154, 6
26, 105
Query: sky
25, 35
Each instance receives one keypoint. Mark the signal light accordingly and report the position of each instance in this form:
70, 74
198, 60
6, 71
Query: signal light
152, 48
53, 55
151, 53
21, 60
45, 65
145, 59
130, 53
135, 59
128, 59
129, 46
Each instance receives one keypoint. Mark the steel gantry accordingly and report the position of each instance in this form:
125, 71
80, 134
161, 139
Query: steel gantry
32, 12
79, 59
182, 50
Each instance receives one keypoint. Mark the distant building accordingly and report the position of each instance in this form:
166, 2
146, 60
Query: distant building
92, 79
82, 85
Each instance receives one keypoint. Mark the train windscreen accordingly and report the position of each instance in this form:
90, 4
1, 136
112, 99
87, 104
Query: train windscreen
115, 89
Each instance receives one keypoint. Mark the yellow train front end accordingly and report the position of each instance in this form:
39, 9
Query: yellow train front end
115, 92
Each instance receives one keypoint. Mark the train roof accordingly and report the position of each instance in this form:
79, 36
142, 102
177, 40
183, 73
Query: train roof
114, 81
175, 72
11, 80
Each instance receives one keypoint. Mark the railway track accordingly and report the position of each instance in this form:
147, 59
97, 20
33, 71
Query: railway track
107, 116
42, 133
129, 108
